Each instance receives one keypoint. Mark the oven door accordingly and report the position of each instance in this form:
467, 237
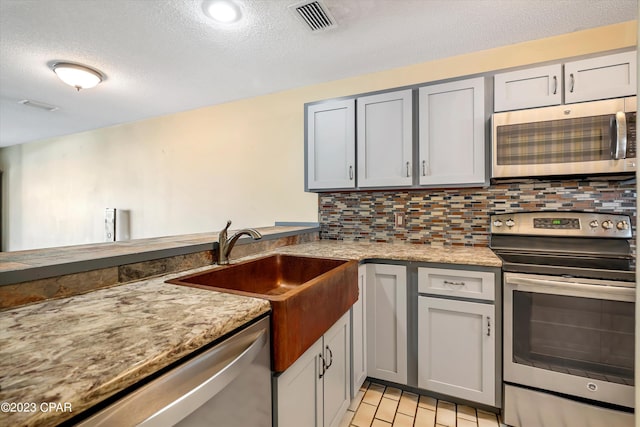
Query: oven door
570, 336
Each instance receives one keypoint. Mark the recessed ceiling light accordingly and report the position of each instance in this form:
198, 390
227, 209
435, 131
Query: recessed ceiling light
223, 11
76, 75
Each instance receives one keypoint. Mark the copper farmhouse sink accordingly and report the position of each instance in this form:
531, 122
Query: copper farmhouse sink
307, 296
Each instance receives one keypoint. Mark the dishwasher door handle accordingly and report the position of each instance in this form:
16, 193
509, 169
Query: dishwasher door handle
170, 398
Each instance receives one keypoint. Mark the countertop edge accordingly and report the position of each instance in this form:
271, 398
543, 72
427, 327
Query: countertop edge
134, 255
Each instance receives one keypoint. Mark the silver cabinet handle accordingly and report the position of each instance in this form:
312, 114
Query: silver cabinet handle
619, 145
351, 172
408, 169
424, 168
555, 84
449, 282
323, 366
573, 82
488, 326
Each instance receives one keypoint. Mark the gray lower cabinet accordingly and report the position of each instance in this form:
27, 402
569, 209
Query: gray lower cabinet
456, 348
315, 391
386, 295
457, 336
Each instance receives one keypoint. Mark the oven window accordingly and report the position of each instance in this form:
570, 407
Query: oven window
555, 141
586, 337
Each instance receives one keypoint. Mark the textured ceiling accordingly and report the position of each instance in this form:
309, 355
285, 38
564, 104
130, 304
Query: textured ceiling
165, 56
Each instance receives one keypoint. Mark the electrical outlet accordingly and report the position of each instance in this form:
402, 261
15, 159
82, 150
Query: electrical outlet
400, 219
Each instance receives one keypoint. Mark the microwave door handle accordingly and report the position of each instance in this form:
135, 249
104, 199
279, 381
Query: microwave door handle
620, 134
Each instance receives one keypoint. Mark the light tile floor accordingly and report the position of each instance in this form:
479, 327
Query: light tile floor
378, 406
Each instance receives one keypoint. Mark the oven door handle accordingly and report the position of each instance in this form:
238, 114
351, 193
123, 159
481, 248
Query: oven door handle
587, 290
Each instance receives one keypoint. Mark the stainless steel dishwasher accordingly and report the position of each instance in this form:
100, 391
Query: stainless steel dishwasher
228, 385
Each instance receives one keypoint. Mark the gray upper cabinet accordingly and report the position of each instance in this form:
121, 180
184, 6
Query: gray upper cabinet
603, 77
331, 143
452, 132
609, 76
385, 139
530, 88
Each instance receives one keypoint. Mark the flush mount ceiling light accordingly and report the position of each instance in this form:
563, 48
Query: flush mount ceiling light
222, 11
76, 75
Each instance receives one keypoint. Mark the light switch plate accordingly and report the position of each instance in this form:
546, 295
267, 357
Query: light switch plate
110, 225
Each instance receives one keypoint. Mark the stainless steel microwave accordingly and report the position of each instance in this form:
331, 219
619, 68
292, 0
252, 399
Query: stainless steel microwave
597, 137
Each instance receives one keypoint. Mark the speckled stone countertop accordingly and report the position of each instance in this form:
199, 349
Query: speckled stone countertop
83, 349
480, 256
35, 258
80, 350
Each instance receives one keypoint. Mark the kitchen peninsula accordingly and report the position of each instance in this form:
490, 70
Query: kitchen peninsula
81, 349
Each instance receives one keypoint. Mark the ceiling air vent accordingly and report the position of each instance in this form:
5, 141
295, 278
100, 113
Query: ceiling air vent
38, 105
315, 15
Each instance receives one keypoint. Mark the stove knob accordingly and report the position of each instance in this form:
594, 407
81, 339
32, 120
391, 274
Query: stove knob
593, 224
510, 223
497, 223
622, 225
607, 224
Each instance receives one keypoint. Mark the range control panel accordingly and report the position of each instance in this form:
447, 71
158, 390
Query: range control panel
578, 224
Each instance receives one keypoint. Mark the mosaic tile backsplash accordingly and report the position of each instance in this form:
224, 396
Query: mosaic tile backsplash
460, 217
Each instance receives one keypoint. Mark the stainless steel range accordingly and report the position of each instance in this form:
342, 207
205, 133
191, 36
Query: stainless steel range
569, 292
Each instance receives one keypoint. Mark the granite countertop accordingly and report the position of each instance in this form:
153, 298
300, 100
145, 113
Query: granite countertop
77, 351
479, 256
21, 266
82, 349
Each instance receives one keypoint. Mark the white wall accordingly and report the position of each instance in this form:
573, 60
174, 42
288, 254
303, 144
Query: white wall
178, 174
190, 172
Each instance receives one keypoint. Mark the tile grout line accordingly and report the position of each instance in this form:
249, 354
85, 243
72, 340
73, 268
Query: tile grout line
440, 405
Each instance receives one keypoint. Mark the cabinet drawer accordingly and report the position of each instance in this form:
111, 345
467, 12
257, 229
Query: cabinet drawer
459, 283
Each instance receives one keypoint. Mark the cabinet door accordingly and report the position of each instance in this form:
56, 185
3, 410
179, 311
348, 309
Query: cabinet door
299, 391
387, 322
456, 349
337, 377
331, 145
452, 128
604, 77
530, 88
385, 139
359, 334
